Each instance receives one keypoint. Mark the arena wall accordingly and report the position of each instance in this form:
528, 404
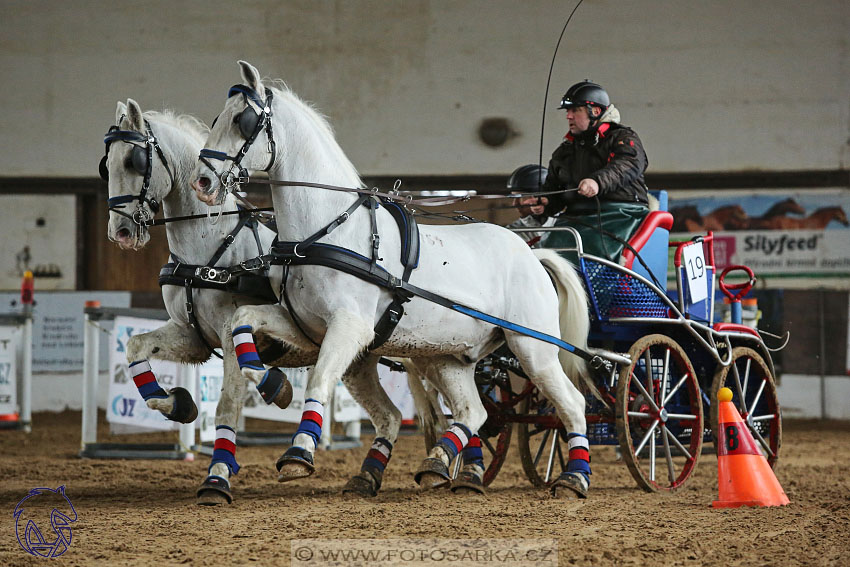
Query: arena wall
719, 86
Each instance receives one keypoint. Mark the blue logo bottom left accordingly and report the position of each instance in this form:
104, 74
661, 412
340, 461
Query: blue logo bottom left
43, 521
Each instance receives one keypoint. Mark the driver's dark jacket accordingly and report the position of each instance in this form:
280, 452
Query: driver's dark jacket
611, 154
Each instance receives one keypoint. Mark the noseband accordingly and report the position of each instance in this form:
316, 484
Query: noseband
142, 160
251, 123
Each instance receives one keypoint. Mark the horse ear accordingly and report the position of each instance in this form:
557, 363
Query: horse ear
134, 115
251, 75
120, 112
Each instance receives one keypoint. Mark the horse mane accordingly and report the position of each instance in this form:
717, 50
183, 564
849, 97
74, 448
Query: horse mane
321, 127
186, 123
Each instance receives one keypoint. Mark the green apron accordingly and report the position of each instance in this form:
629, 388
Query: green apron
616, 217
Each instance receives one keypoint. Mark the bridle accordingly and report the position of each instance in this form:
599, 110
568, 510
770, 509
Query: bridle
142, 160
251, 123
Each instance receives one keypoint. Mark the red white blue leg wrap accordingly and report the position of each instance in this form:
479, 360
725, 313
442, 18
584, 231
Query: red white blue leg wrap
311, 420
472, 454
454, 439
377, 457
579, 460
146, 381
224, 450
246, 350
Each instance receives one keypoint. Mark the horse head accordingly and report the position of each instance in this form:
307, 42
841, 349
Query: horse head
788, 206
240, 141
136, 186
685, 217
728, 217
147, 156
836, 214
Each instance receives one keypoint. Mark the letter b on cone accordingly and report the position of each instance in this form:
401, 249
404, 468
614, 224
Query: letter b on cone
743, 476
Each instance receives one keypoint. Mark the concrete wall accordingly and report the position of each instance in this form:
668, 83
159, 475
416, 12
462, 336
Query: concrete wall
815, 397
709, 86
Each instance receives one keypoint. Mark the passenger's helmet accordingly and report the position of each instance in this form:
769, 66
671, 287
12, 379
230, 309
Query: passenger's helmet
586, 94
527, 178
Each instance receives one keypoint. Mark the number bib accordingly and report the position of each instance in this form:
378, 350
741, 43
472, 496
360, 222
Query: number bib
694, 263
735, 439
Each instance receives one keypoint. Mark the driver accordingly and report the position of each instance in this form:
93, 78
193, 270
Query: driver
605, 161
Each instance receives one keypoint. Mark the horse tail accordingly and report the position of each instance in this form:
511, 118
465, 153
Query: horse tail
574, 318
431, 417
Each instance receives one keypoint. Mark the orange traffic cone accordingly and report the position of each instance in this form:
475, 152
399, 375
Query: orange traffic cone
743, 476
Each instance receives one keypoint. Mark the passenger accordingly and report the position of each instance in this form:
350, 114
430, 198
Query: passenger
529, 179
605, 162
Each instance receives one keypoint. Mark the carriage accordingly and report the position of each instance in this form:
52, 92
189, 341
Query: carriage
660, 409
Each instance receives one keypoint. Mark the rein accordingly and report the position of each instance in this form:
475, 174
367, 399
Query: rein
166, 220
395, 195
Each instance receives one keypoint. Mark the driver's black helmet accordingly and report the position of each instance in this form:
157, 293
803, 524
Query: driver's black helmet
587, 94
527, 178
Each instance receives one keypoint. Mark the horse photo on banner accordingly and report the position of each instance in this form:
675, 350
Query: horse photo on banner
125, 405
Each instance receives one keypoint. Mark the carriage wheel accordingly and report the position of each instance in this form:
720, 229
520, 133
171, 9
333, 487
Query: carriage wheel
659, 414
754, 393
543, 448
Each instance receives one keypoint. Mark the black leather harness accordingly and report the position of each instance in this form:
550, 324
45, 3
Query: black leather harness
254, 284
311, 252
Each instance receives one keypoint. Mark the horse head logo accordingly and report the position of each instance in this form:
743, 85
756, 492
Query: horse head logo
31, 516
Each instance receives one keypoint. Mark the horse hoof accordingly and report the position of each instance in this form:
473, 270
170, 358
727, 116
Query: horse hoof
185, 410
295, 463
361, 484
570, 485
214, 491
275, 388
284, 397
468, 483
433, 473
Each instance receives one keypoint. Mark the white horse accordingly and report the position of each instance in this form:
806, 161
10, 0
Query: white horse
482, 266
194, 242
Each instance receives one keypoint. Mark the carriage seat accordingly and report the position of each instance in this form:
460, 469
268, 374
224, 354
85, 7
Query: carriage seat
650, 240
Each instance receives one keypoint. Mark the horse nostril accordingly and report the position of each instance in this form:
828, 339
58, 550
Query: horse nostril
204, 183
123, 234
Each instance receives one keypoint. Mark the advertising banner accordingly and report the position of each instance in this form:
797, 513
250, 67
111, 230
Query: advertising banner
783, 234
125, 405
10, 338
210, 379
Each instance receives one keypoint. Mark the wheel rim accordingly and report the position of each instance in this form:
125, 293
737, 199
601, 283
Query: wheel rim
543, 449
754, 394
659, 414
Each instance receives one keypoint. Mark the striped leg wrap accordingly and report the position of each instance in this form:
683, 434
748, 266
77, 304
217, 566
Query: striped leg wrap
224, 450
472, 454
246, 350
579, 455
377, 458
146, 381
311, 420
455, 439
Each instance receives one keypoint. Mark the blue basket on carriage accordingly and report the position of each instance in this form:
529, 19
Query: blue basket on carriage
599, 432
616, 293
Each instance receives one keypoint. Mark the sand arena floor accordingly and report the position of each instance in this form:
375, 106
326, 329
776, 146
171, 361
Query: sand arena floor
144, 512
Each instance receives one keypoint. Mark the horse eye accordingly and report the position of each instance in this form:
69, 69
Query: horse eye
237, 117
128, 161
